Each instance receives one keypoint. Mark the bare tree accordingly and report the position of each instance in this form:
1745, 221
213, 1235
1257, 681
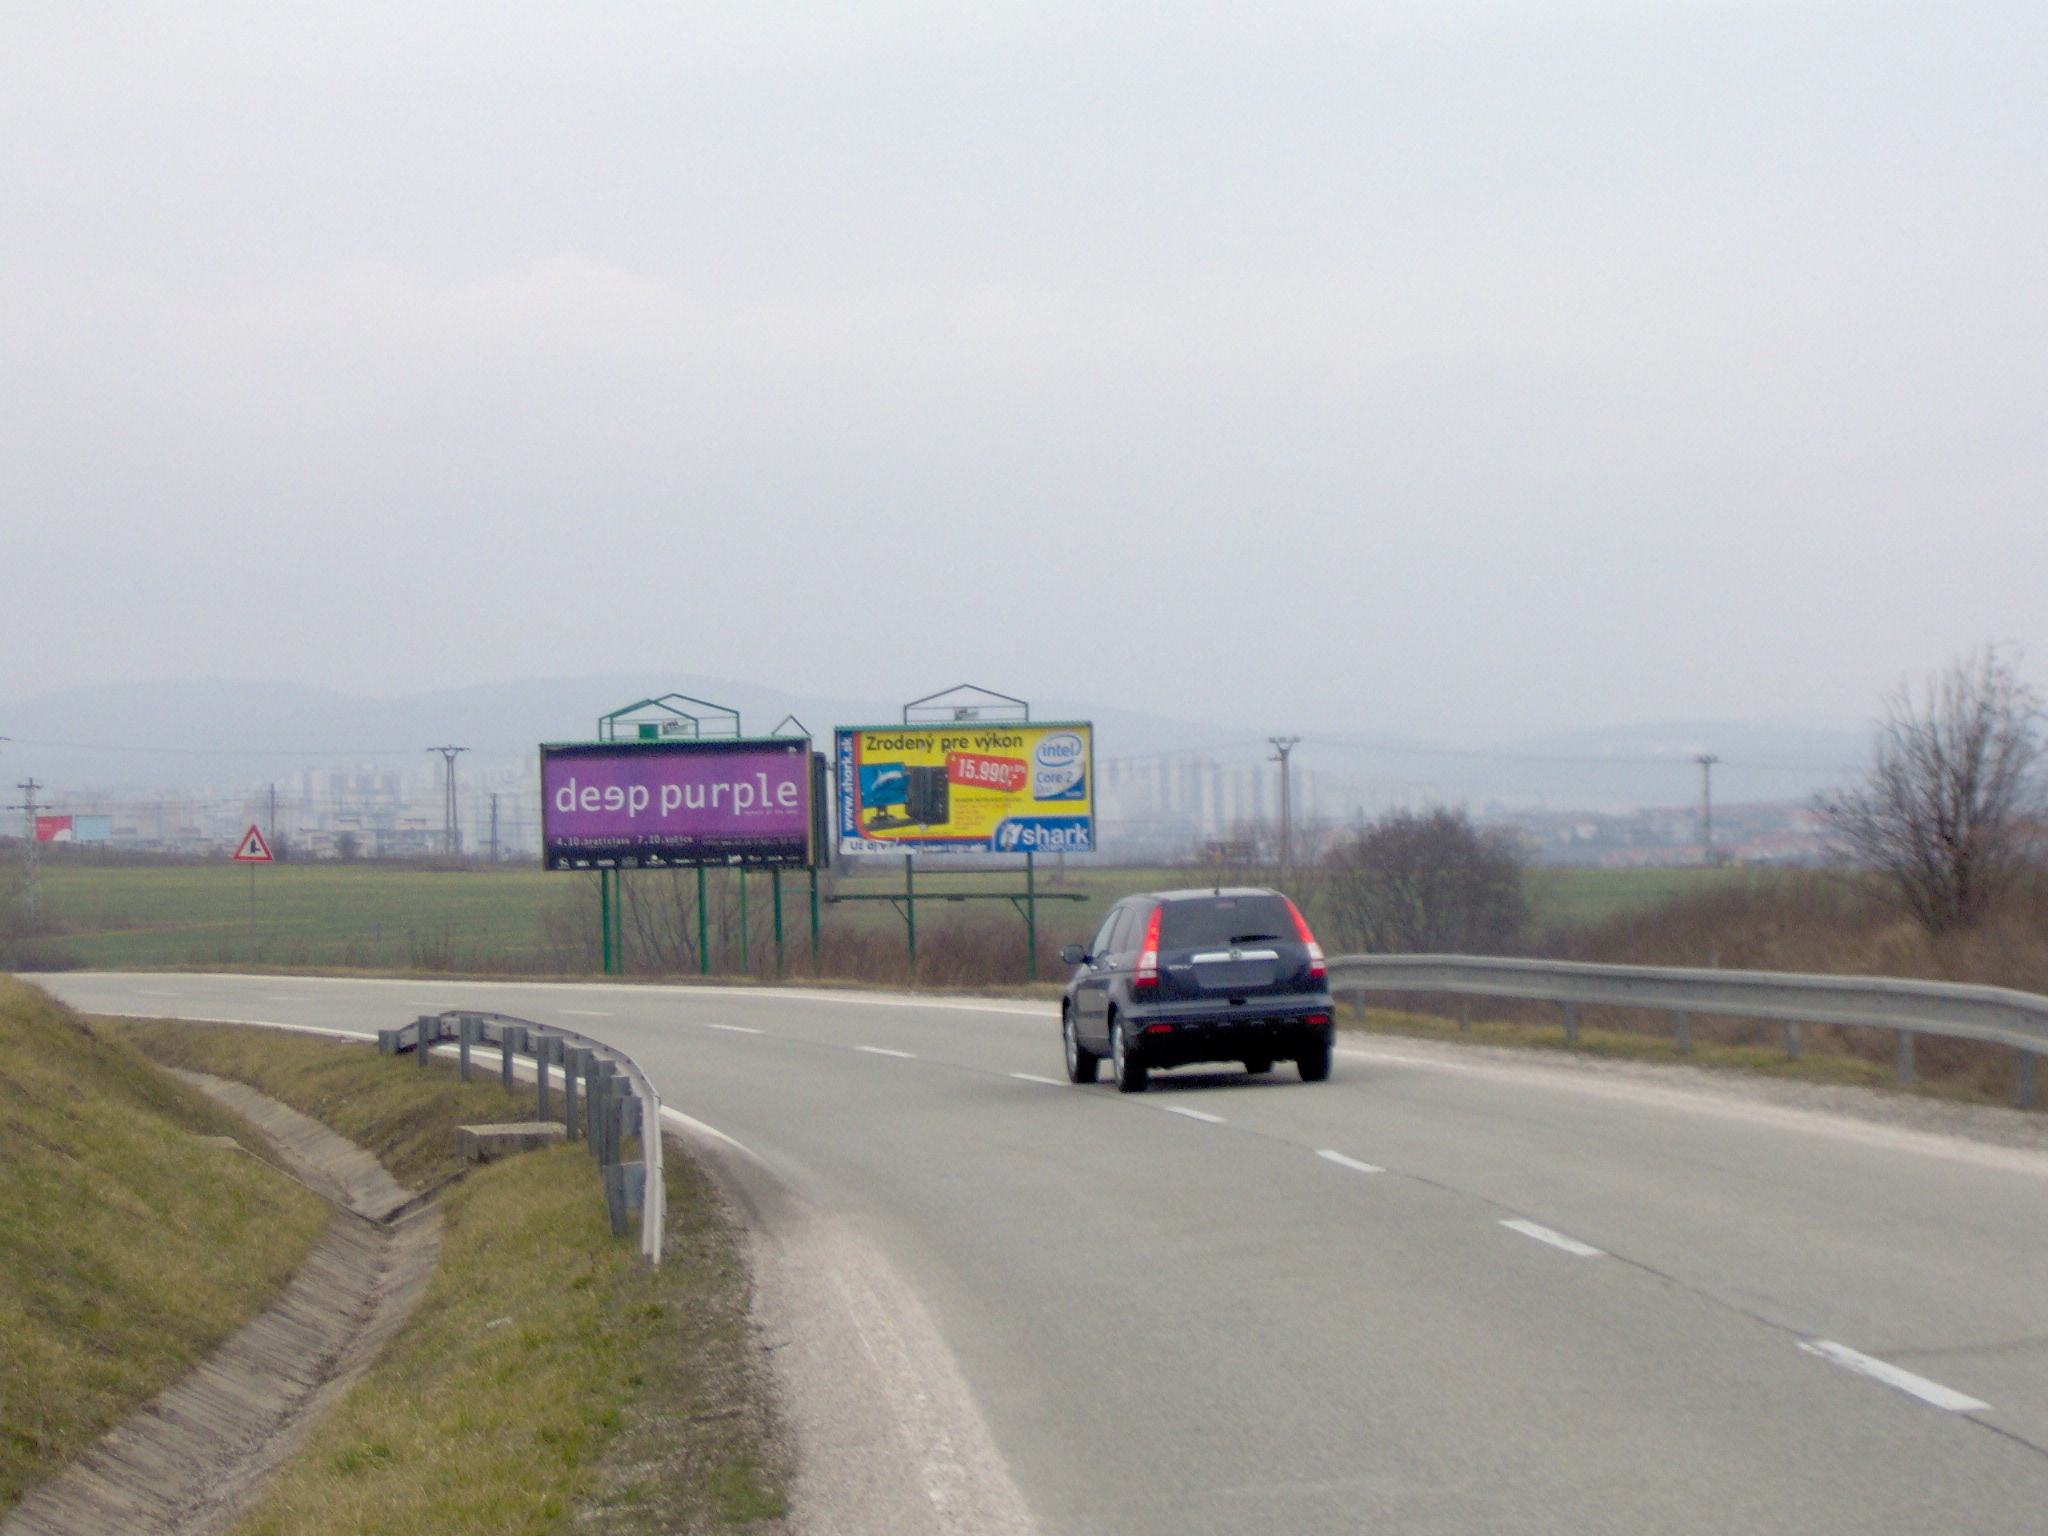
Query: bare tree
1429, 883
1948, 810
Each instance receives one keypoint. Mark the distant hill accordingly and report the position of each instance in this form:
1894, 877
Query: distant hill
225, 732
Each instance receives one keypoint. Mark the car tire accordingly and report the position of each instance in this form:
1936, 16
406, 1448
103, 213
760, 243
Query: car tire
1128, 1067
1255, 1065
1081, 1062
1314, 1063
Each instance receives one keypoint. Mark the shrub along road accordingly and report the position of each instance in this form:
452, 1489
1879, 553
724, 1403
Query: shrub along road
1435, 1295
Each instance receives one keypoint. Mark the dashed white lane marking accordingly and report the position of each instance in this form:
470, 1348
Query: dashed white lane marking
734, 1029
883, 1050
1193, 1114
1904, 1381
584, 1013
1556, 1239
1033, 1077
1350, 1162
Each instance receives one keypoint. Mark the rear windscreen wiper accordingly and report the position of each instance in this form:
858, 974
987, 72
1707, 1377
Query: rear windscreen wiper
1246, 938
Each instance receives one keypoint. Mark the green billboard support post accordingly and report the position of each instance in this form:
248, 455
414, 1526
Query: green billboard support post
703, 927
1030, 916
775, 886
815, 962
604, 921
746, 950
910, 911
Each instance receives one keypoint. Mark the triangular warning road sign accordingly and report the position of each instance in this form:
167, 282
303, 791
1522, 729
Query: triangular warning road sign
253, 850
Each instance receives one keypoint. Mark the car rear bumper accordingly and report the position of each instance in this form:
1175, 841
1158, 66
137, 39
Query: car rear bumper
1279, 1029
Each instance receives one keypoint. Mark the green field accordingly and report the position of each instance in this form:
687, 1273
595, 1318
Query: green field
524, 919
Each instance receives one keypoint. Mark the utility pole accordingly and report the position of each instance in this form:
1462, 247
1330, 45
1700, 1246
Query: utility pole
32, 894
494, 826
451, 835
1282, 746
1706, 760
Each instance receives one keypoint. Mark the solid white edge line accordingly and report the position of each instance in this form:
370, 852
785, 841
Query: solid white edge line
1350, 1162
297, 1029
1570, 1245
1033, 1077
735, 1029
1193, 1114
1046, 1010
691, 1122
883, 1050
1932, 1392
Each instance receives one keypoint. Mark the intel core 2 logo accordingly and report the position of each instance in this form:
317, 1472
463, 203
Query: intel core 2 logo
1059, 767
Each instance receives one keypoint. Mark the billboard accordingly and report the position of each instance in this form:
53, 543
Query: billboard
971, 787
657, 804
74, 829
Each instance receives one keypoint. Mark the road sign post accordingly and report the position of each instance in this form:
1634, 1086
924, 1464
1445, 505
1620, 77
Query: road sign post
252, 850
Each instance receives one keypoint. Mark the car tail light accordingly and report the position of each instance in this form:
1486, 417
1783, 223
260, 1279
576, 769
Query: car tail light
1319, 1018
1317, 971
1158, 1029
1148, 957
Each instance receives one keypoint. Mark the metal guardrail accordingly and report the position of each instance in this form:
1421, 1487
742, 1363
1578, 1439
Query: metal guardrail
617, 1100
1994, 1015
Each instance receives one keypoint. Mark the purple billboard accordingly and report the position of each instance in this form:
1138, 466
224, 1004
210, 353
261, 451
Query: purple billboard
653, 805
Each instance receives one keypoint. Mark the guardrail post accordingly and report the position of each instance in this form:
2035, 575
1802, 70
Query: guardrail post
1681, 1030
2023, 1080
465, 1034
429, 1027
572, 1063
1791, 1040
505, 1057
599, 1103
543, 1048
1906, 1072
387, 1042
1571, 1024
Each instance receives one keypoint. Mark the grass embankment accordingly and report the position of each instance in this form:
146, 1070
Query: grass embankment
130, 1248
548, 1379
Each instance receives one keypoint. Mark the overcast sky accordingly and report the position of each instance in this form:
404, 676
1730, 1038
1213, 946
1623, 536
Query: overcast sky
1469, 368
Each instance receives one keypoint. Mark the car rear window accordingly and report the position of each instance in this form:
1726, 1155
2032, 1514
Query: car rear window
1224, 920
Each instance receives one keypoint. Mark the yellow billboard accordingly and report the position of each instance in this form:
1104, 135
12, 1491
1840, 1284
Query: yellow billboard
967, 787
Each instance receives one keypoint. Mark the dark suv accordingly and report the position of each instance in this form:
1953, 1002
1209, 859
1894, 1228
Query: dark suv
1180, 976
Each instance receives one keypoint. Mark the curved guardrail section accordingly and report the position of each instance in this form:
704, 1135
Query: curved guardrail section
1994, 1015
618, 1101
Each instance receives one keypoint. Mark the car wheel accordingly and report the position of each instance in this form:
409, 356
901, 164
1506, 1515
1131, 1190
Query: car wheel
1257, 1064
1081, 1062
1130, 1070
1314, 1062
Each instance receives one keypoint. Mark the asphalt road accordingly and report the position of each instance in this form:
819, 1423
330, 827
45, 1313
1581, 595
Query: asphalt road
1181, 1313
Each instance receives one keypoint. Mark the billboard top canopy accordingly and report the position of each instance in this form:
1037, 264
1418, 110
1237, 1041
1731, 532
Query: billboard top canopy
964, 703
670, 717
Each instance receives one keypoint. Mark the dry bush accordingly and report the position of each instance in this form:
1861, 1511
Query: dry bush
658, 924
1424, 883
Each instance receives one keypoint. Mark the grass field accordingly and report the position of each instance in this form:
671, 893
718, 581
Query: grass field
523, 919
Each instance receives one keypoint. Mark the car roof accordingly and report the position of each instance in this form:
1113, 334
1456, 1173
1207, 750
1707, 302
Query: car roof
1210, 893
